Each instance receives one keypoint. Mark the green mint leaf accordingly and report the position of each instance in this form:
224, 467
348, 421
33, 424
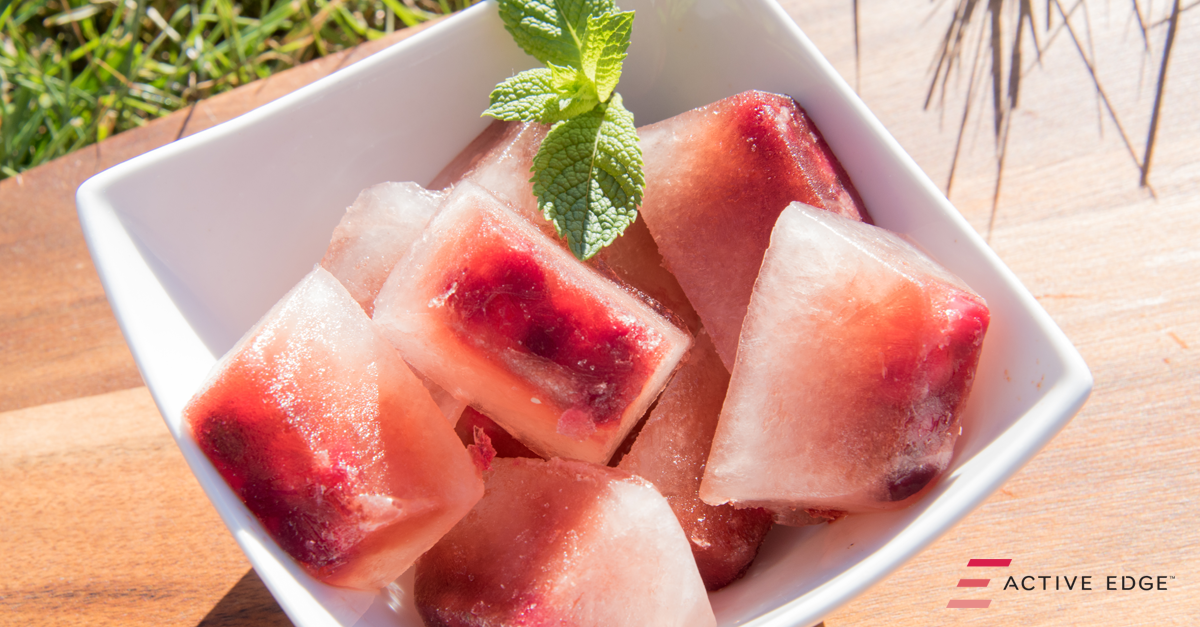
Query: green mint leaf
588, 171
529, 96
576, 92
588, 177
604, 50
551, 31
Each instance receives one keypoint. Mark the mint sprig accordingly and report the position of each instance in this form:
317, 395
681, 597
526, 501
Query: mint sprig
588, 171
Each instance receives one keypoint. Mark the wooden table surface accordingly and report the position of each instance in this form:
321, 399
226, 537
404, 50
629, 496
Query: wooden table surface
102, 523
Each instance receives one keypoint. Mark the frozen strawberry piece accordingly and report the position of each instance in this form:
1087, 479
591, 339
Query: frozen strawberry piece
503, 444
717, 178
855, 362
498, 315
671, 450
500, 160
331, 441
563, 542
375, 233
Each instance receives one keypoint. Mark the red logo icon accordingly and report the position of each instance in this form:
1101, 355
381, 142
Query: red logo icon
977, 583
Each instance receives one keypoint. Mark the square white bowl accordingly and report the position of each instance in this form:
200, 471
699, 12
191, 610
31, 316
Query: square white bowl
196, 240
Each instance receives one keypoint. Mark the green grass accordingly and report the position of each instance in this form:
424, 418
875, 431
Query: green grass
73, 72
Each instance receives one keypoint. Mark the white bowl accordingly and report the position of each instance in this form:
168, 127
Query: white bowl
196, 240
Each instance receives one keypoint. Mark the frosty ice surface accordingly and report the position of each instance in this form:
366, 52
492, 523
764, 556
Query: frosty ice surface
855, 360
563, 542
331, 441
376, 232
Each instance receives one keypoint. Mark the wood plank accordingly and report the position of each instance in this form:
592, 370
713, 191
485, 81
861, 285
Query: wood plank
58, 337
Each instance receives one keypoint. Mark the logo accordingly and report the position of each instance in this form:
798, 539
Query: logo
1058, 582
977, 583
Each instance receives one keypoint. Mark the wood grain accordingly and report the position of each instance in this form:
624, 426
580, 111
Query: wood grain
104, 524
58, 338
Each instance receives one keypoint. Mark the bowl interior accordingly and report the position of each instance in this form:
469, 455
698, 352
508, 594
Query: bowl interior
195, 241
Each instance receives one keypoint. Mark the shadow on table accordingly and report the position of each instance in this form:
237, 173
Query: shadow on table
247, 603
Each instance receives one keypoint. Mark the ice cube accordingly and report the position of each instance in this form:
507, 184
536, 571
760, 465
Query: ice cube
670, 452
331, 441
717, 177
855, 361
563, 542
497, 314
376, 232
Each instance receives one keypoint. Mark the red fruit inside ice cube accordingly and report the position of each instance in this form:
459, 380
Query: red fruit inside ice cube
502, 317
331, 441
671, 450
504, 300
717, 178
855, 362
563, 542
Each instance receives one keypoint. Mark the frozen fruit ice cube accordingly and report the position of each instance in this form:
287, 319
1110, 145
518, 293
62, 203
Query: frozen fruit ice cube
670, 452
717, 178
498, 315
855, 362
376, 232
331, 441
672, 446
500, 160
563, 542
